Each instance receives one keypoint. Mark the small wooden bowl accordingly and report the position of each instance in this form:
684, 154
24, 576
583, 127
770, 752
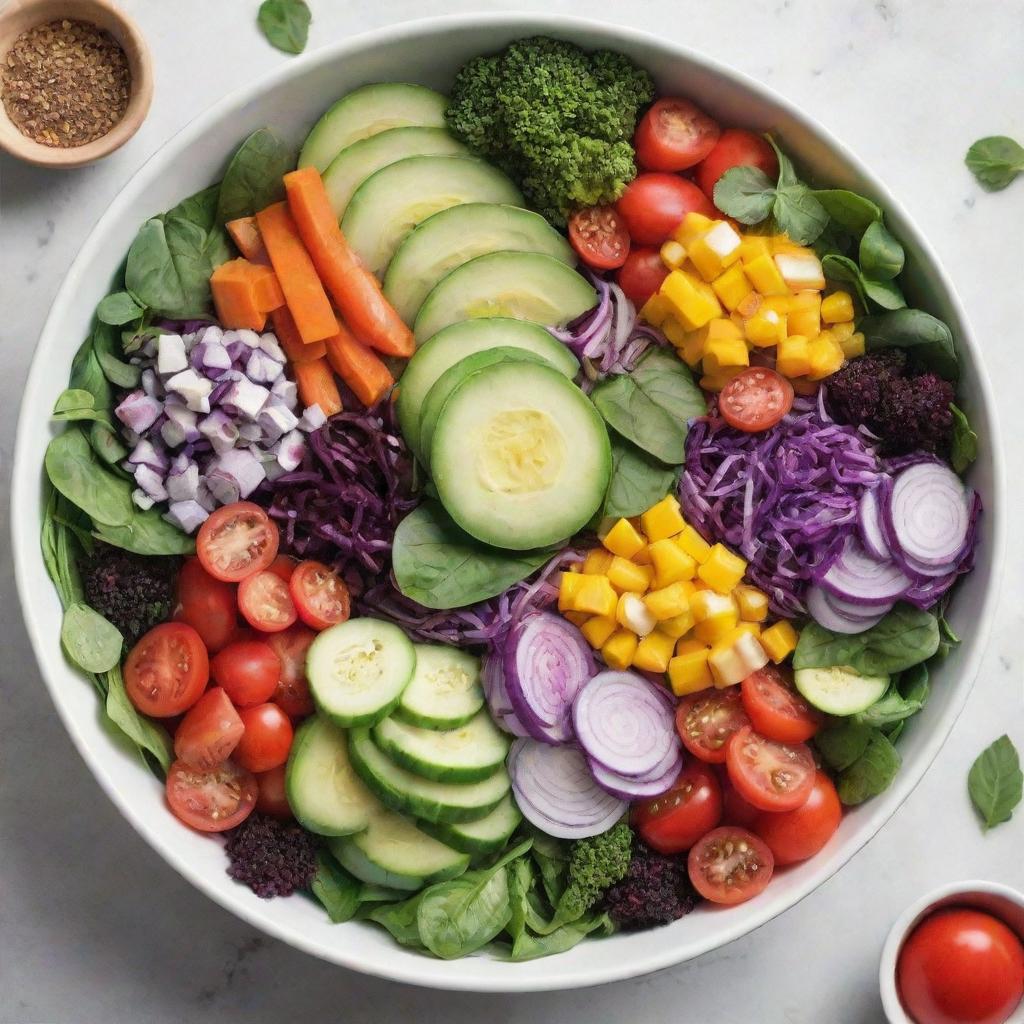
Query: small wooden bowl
19, 16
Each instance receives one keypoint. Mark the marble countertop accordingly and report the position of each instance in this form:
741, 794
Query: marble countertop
95, 926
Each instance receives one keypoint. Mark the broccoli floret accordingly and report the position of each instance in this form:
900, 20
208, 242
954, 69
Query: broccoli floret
594, 864
273, 858
555, 118
135, 592
655, 891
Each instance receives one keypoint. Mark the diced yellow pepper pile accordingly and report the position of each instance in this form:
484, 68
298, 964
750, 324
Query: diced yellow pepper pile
728, 293
656, 596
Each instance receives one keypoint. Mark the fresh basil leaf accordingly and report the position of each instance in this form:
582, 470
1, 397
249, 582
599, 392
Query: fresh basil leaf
928, 340
852, 212
74, 470
253, 178
117, 309
142, 731
890, 708
531, 947
872, 773
92, 642
964, 449
995, 161
881, 255
637, 481
285, 23
787, 173
842, 743
798, 214
87, 375
335, 888
746, 194
995, 782
521, 881
146, 533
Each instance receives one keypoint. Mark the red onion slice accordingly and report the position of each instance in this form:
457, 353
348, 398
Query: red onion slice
493, 681
824, 614
860, 578
929, 514
869, 525
556, 792
627, 788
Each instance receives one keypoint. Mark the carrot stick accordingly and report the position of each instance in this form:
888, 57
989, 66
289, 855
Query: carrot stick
266, 288
246, 235
316, 385
358, 367
302, 289
234, 290
355, 290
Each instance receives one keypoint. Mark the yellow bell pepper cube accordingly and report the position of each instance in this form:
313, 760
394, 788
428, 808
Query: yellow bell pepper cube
720, 378
623, 539
631, 613
689, 672
643, 556
597, 562
678, 625
793, 356
723, 569
709, 604
783, 243
576, 618
654, 652
732, 287
715, 250
765, 328
674, 331
842, 332
692, 226
663, 519
725, 352
837, 308
779, 641
668, 602
805, 314
753, 603
627, 576
673, 255
753, 628
595, 595
715, 629
568, 587
735, 658
754, 246
691, 300
764, 275
826, 356
693, 544
852, 346
780, 303
687, 645
597, 629
719, 329
671, 563
692, 349
800, 270
619, 648
656, 310
805, 387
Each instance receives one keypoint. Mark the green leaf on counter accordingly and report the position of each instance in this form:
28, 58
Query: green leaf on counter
995, 782
995, 161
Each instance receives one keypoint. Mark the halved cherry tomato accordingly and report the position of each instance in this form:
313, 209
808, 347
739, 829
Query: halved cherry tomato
730, 865
283, 566
320, 595
273, 796
266, 740
736, 810
599, 237
755, 399
674, 821
772, 776
641, 275
736, 148
209, 731
236, 541
266, 602
706, 720
211, 801
167, 670
793, 836
654, 205
292, 693
674, 134
775, 709
248, 671
208, 605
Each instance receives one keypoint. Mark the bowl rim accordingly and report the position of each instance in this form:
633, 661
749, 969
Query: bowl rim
25, 480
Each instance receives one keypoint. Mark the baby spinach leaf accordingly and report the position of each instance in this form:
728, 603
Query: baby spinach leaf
842, 743
995, 782
335, 888
964, 449
142, 731
796, 210
146, 533
995, 161
399, 919
531, 947
285, 23
914, 682
107, 444
637, 481
253, 178
928, 340
440, 566
850, 211
872, 773
843, 270
72, 400
886, 294
118, 308
890, 708
746, 194
87, 375
106, 346
74, 470
92, 642
881, 255
652, 405
894, 732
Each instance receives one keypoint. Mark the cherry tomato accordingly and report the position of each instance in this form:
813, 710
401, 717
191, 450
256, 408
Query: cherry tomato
320, 596
755, 399
641, 275
273, 796
654, 205
265, 602
283, 566
292, 692
236, 541
736, 810
794, 836
730, 865
674, 134
209, 732
707, 719
736, 148
775, 709
167, 670
248, 671
674, 821
208, 605
599, 237
214, 800
266, 740
961, 965
772, 776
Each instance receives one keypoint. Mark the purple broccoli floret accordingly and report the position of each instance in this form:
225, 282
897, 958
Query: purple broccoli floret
273, 858
655, 891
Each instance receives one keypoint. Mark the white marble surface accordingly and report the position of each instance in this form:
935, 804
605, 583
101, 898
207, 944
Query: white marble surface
95, 927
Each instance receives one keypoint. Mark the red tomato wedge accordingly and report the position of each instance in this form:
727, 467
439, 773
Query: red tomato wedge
736, 148
319, 594
248, 671
772, 776
167, 670
266, 740
599, 236
641, 275
236, 541
736, 810
208, 605
654, 205
209, 732
673, 135
292, 692
211, 801
775, 709
283, 566
730, 865
265, 602
273, 797
674, 821
793, 836
706, 720
755, 399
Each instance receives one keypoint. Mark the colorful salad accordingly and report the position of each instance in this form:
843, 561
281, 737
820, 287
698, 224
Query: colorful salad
520, 516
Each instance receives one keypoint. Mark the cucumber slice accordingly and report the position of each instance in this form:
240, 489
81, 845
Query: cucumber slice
391, 202
520, 456
471, 752
478, 838
394, 853
355, 163
368, 111
839, 690
466, 338
459, 234
403, 791
324, 791
521, 285
358, 669
445, 691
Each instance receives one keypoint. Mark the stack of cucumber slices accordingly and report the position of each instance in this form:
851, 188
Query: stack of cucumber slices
401, 766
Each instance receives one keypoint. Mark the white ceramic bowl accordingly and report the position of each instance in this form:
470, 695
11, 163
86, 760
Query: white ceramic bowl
290, 100
998, 900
